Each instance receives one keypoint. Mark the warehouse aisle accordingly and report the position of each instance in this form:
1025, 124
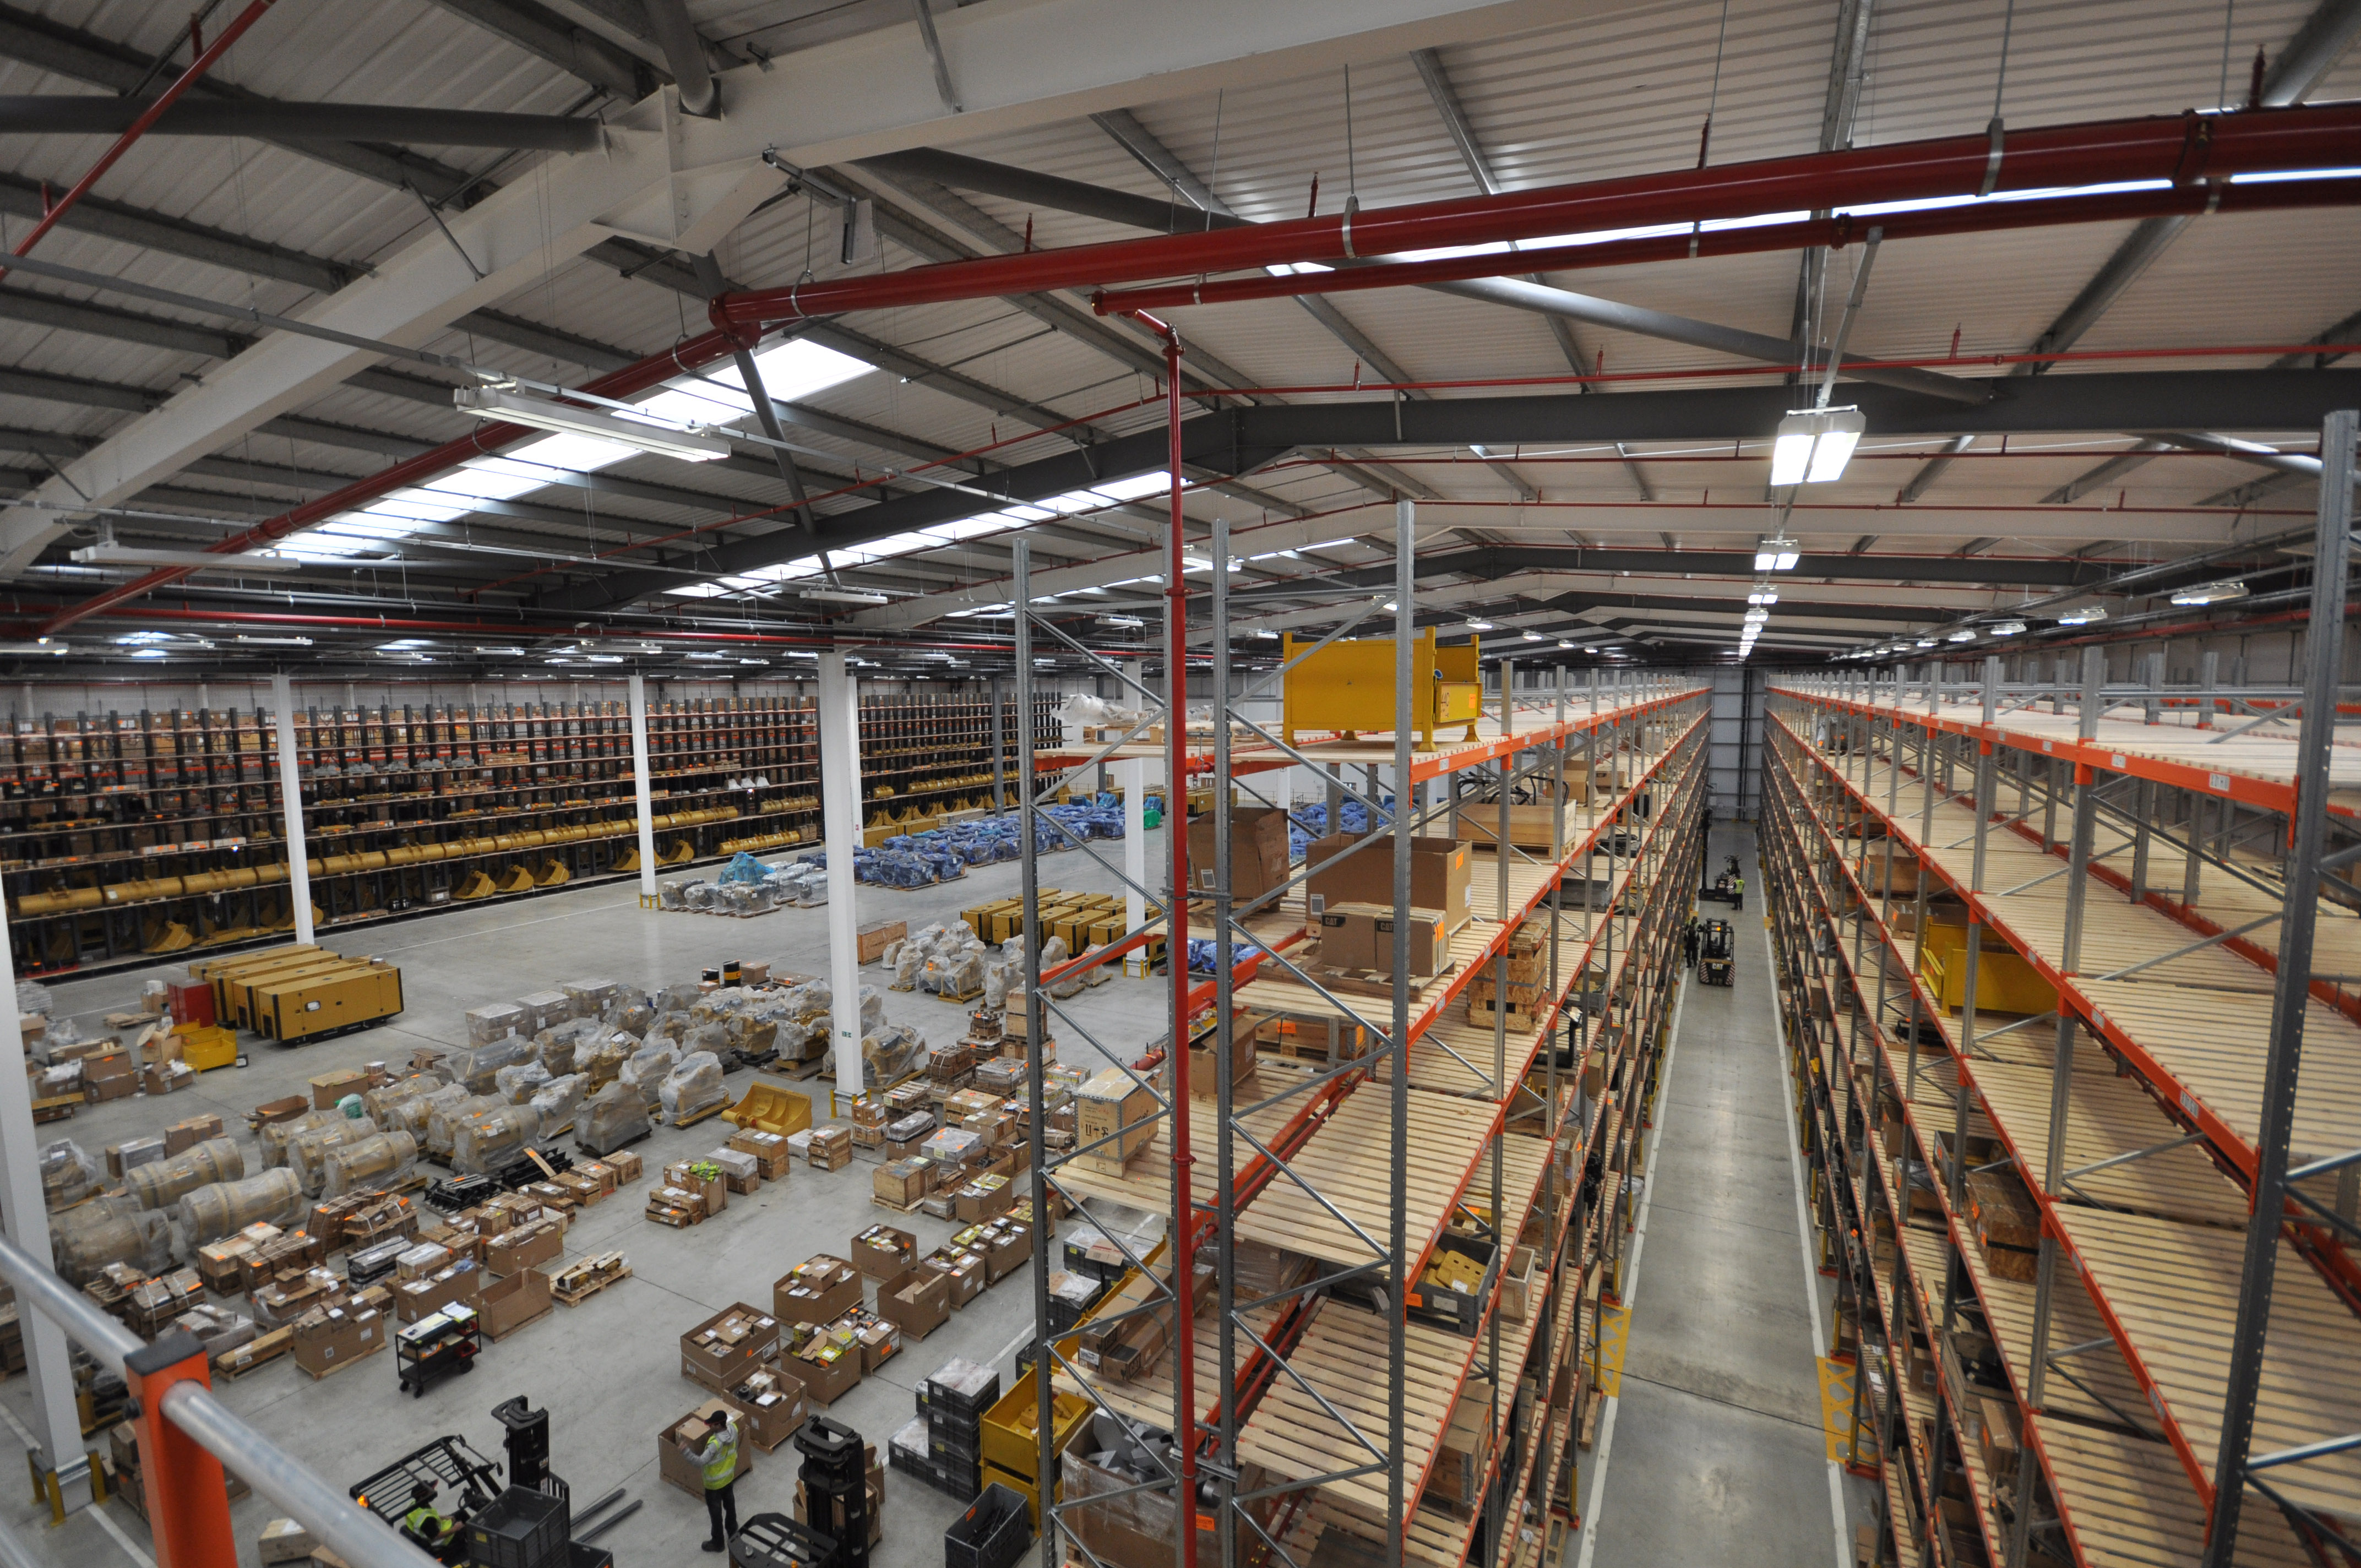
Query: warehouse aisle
1715, 1452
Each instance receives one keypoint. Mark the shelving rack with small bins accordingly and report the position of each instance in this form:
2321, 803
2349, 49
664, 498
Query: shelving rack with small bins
2167, 1080
124, 837
1495, 1130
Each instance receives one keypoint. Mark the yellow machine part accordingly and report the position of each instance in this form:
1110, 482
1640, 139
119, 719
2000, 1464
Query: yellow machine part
478, 885
517, 879
313, 1004
552, 873
170, 940
206, 1047
771, 1108
1349, 685
679, 853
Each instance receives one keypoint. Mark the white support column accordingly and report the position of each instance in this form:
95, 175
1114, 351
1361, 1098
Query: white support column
56, 1426
1131, 775
641, 792
839, 804
291, 798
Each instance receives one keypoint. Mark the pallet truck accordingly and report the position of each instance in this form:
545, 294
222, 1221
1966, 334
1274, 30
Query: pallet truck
1729, 885
1714, 963
466, 1484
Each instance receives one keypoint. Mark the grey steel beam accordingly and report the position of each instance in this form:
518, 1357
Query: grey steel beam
536, 338
275, 120
2107, 473
2298, 463
82, 56
21, 198
545, 34
1240, 440
76, 391
2342, 332
62, 314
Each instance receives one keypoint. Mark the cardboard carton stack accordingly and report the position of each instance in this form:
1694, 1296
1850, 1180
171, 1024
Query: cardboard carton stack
771, 1403
720, 1351
1113, 1121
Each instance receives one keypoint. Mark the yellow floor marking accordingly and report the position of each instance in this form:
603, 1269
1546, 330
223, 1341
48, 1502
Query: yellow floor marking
1614, 1331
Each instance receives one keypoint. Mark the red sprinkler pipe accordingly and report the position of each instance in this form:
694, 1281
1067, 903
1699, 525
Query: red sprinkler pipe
2125, 207
138, 127
2184, 149
485, 439
1176, 960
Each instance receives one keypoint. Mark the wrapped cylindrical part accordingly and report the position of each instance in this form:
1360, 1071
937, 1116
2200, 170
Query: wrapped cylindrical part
413, 1114
694, 1086
494, 1139
645, 1073
476, 1069
110, 1230
273, 1138
614, 1117
379, 1161
225, 1207
555, 1101
166, 1182
67, 1175
307, 1152
518, 1083
443, 1126
377, 1104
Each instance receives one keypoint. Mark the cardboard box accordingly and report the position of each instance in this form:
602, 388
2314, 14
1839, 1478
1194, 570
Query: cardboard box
917, 1301
1257, 850
820, 1289
330, 1087
329, 1339
187, 1135
883, 1252
283, 1540
674, 1465
967, 1272
504, 1306
720, 1351
1466, 1449
416, 1299
1112, 1107
1348, 936
772, 1405
525, 1247
985, 1198
1430, 943
829, 1371
1439, 870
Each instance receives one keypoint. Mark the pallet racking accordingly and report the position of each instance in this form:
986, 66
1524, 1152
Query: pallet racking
1317, 1408
2168, 1354
124, 837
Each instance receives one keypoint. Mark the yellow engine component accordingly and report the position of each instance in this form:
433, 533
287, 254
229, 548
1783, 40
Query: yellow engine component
1349, 685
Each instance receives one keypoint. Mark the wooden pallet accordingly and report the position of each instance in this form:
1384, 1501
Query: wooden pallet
575, 1298
961, 997
897, 1207
335, 1367
1369, 982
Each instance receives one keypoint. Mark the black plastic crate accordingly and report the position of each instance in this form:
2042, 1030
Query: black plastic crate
1448, 1309
993, 1533
960, 1481
952, 1448
940, 1400
520, 1529
582, 1555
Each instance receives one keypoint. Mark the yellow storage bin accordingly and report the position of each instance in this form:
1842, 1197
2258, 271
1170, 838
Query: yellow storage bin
2005, 982
1349, 685
1011, 1433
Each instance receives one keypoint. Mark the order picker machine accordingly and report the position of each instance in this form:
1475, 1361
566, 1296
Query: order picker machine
1713, 959
530, 1516
1729, 885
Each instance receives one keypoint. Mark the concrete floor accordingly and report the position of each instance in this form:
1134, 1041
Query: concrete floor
607, 1370
1715, 1452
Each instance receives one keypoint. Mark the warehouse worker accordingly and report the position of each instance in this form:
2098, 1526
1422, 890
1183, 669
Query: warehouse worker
1689, 943
719, 1460
424, 1523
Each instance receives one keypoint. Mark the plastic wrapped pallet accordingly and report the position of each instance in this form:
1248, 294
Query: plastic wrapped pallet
494, 1021
712, 1039
556, 1103
519, 1084
443, 1126
753, 1032
379, 1161
161, 1183
544, 1010
631, 1015
494, 1139
413, 1114
84, 1240
67, 1175
591, 997
273, 1137
673, 892
693, 1086
645, 1072
377, 1104
892, 1054
614, 1117
307, 1152
601, 1061
678, 997
740, 898
560, 1046
478, 1068
224, 1207
700, 896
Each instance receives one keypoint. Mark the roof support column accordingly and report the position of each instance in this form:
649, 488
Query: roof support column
839, 804
290, 801
642, 807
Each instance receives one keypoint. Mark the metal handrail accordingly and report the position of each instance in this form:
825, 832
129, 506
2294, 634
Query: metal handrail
352, 1532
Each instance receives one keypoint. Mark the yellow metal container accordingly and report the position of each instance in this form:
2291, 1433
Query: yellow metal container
1011, 1436
307, 1005
206, 1047
2005, 982
1349, 685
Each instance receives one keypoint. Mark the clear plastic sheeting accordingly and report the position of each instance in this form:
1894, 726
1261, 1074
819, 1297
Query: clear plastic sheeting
225, 1207
614, 1117
645, 1072
601, 1062
672, 893
891, 1054
519, 1084
693, 1086
84, 1240
377, 1104
560, 1046
494, 1139
67, 1175
412, 1116
494, 1021
443, 1126
631, 1015
678, 997
307, 1152
591, 998
161, 1183
381, 1160
273, 1137
34, 997
555, 1101
478, 1068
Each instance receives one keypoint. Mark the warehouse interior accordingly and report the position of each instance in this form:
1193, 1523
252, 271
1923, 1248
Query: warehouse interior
806, 722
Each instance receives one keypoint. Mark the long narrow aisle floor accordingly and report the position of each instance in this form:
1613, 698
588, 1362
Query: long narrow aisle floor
1714, 1449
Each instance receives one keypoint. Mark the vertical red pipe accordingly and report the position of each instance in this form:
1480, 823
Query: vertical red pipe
1176, 753
139, 127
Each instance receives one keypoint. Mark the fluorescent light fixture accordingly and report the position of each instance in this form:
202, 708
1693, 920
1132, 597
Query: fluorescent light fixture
1757, 615
1762, 595
1391, 606
402, 642
2084, 616
1130, 622
843, 595
273, 642
502, 653
2008, 629
707, 658
150, 652
1532, 636
1563, 644
1480, 626
195, 560
1814, 445
542, 414
2228, 589
1925, 643
1775, 554
1266, 634
753, 661
1964, 634
604, 658
40, 645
